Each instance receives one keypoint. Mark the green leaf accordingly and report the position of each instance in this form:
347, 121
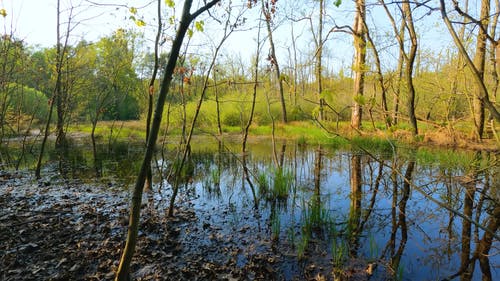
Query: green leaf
359, 99
140, 23
170, 3
133, 10
171, 20
199, 25
337, 3
190, 33
3, 12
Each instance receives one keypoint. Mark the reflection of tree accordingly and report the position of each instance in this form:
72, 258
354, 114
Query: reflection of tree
316, 198
396, 257
470, 188
355, 207
357, 216
491, 225
398, 220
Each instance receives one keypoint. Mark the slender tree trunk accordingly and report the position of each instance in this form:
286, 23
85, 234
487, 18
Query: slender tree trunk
380, 78
250, 119
187, 148
151, 90
135, 209
274, 61
409, 66
254, 94
217, 105
61, 97
94, 148
319, 60
56, 93
295, 67
359, 63
479, 63
483, 91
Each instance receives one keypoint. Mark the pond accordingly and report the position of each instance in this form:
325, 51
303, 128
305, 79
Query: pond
379, 213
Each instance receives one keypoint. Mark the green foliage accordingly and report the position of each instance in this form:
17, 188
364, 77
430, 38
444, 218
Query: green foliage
382, 146
28, 102
199, 25
170, 3
359, 99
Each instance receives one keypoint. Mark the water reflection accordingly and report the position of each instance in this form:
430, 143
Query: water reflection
314, 203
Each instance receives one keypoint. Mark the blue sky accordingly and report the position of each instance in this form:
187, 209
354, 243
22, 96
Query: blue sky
35, 22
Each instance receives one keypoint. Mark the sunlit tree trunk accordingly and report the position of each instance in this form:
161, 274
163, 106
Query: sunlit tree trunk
135, 209
217, 104
267, 11
482, 92
410, 60
359, 32
151, 90
250, 118
480, 62
319, 60
60, 51
380, 79
187, 150
60, 95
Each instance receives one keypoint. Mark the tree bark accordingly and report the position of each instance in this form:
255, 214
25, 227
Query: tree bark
482, 93
319, 61
359, 63
151, 89
133, 228
408, 17
274, 61
479, 63
55, 95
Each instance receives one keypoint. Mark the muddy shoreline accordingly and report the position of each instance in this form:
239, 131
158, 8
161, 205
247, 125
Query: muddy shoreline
66, 229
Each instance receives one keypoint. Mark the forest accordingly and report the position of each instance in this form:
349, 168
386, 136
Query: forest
252, 140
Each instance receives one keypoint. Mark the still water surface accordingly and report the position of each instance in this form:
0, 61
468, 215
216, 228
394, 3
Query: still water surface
396, 208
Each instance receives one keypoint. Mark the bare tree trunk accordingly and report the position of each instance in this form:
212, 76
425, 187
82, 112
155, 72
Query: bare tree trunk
151, 90
61, 97
408, 17
187, 148
254, 95
135, 209
94, 148
217, 105
250, 119
482, 93
319, 60
56, 93
479, 63
274, 61
359, 33
295, 67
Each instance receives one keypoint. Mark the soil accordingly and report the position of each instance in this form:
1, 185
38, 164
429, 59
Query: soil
67, 229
